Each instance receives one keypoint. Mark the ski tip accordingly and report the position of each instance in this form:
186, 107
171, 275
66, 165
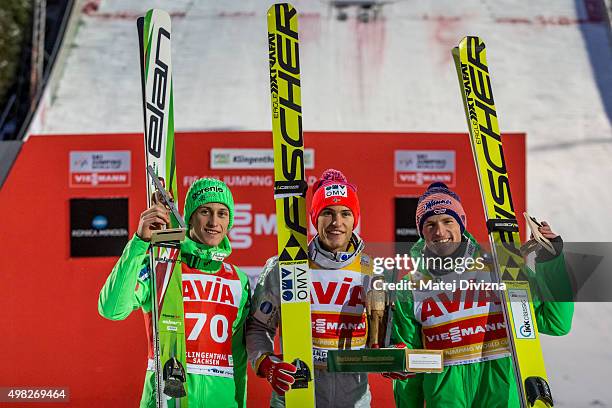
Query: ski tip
159, 15
471, 42
140, 29
272, 11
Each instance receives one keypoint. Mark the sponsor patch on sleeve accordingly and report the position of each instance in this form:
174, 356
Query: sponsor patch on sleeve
266, 307
144, 273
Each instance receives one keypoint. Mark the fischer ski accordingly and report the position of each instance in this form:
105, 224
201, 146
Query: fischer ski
290, 195
524, 339
167, 314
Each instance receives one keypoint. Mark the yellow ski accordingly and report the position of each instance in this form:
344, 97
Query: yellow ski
290, 195
524, 339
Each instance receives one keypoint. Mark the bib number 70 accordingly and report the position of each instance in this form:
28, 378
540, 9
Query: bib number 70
218, 326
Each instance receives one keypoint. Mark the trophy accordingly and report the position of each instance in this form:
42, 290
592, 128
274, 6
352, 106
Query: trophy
166, 236
379, 355
377, 307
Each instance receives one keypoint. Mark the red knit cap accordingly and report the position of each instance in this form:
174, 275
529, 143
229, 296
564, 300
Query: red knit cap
333, 189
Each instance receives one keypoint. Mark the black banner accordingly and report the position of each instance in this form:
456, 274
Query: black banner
405, 220
98, 226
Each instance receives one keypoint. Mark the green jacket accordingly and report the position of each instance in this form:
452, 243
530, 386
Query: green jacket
128, 288
488, 383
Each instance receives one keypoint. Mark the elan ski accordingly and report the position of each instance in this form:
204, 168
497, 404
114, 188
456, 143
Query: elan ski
167, 314
290, 194
524, 339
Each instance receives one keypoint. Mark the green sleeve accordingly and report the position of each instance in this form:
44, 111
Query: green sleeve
127, 287
406, 329
239, 353
552, 301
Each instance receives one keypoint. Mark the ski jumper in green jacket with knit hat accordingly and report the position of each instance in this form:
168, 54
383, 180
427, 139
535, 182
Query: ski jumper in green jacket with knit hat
468, 325
215, 296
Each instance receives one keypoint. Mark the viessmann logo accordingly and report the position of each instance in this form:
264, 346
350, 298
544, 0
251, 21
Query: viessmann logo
100, 168
415, 168
322, 325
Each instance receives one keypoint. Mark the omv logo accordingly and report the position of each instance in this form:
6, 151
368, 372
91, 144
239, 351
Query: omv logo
99, 222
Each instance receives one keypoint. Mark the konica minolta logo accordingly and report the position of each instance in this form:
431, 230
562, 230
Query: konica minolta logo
430, 204
99, 222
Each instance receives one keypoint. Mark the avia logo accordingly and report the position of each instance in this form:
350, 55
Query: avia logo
99, 222
432, 203
345, 293
440, 304
202, 288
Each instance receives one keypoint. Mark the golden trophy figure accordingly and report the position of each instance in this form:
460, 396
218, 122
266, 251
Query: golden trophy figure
377, 302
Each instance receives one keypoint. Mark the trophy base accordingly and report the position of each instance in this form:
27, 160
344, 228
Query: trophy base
385, 360
168, 236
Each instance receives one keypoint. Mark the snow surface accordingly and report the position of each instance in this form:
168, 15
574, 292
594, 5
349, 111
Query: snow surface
551, 78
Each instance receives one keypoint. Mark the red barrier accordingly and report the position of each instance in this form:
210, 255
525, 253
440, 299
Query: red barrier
52, 334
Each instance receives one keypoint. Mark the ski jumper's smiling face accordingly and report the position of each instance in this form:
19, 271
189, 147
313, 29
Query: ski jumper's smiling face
442, 234
209, 224
335, 227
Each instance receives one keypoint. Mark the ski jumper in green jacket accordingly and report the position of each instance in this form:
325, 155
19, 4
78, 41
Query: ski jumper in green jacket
487, 378
453, 306
216, 298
